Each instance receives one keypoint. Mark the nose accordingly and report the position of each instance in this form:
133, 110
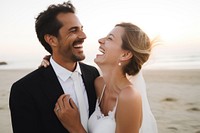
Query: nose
82, 35
101, 40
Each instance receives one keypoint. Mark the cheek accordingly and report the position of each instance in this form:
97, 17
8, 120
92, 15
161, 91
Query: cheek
114, 53
70, 38
114, 49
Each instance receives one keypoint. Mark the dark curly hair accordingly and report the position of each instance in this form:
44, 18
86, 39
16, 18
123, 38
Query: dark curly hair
47, 23
136, 41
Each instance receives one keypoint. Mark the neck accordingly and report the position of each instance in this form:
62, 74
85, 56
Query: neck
67, 64
114, 77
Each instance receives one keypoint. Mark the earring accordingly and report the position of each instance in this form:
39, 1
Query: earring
119, 64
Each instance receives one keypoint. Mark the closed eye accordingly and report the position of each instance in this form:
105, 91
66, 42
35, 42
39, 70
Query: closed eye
73, 30
110, 37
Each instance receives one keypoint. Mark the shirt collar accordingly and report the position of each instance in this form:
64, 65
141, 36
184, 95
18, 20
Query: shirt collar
62, 72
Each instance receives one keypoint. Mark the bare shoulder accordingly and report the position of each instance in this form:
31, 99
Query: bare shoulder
129, 110
99, 84
129, 96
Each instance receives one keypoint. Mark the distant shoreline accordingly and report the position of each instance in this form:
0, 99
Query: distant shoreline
30, 64
3, 63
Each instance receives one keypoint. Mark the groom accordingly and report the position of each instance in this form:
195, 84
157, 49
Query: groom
32, 98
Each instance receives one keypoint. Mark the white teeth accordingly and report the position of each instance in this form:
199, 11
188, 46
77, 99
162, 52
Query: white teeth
78, 46
101, 50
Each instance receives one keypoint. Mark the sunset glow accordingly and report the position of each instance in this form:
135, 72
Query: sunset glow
176, 22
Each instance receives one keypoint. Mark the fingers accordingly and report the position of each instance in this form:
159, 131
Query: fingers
66, 102
63, 103
73, 105
45, 63
47, 57
60, 102
57, 108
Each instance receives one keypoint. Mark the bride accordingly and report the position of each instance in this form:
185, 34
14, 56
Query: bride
122, 104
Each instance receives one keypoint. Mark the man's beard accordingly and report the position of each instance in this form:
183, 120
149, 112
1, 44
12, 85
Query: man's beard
75, 57
78, 58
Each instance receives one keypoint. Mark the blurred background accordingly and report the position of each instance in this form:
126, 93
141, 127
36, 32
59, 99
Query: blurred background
175, 22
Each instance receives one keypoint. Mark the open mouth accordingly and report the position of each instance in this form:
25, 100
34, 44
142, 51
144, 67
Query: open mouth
101, 50
77, 46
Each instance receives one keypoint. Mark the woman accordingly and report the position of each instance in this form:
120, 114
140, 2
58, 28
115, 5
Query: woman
119, 106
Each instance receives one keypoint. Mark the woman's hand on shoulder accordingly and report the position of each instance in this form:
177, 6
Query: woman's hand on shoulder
45, 61
129, 111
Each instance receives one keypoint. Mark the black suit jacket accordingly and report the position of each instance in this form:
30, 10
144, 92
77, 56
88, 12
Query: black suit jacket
32, 100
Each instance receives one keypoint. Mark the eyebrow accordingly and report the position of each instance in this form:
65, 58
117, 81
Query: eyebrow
75, 27
111, 35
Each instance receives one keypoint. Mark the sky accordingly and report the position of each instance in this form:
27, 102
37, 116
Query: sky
176, 22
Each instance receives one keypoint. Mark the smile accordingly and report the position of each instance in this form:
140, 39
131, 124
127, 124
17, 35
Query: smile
102, 51
78, 46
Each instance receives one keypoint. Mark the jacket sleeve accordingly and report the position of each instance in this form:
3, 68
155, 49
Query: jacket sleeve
23, 111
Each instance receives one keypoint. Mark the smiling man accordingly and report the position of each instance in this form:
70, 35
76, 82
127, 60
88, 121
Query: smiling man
32, 98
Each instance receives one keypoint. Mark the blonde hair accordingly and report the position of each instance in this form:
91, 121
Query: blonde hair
138, 43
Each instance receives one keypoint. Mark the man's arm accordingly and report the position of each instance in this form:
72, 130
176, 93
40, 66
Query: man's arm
23, 111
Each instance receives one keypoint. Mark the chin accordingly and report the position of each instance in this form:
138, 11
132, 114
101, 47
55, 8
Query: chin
98, 62
79, 58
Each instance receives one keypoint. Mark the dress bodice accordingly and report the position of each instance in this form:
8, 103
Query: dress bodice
99, 123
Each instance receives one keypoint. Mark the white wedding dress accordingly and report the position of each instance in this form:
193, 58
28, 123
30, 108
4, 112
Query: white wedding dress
98, 123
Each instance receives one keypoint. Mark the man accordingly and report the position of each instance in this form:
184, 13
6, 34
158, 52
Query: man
33, 98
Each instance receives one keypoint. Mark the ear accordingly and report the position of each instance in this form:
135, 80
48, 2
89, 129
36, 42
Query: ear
51, 40
126, 56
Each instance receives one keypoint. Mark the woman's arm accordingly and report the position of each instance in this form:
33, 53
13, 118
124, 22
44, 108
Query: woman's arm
129, 111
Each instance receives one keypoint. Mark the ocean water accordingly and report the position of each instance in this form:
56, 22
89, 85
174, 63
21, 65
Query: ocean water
190, 61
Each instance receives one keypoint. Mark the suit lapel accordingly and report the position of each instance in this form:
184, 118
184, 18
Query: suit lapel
51, 87
89, 82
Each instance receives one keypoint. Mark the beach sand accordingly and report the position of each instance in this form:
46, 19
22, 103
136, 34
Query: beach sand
174, 96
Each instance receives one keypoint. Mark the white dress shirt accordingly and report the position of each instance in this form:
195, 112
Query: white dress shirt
66, 81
